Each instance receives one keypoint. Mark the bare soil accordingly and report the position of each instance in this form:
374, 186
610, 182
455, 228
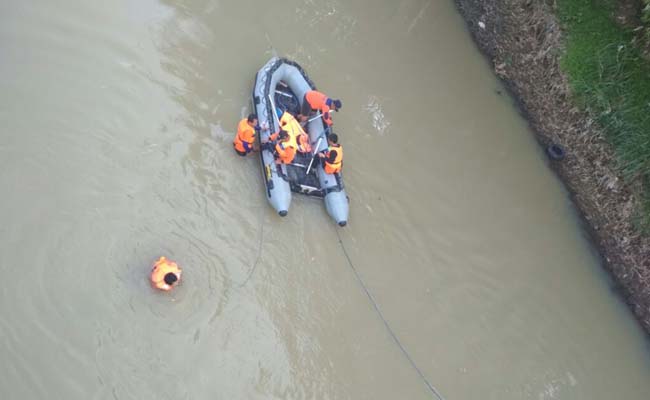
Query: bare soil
523, 41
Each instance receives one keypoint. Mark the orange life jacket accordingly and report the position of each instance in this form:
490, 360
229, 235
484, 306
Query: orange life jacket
318, 101
161, 268
286, 152
245, 134
334, 167
302, 141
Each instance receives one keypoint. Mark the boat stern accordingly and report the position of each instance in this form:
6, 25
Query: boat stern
338, 207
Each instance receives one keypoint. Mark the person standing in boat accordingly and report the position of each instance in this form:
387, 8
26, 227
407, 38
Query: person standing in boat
316, 101
245, 137
332, 158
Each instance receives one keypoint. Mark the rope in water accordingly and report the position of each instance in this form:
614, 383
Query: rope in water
431, 388
399, 344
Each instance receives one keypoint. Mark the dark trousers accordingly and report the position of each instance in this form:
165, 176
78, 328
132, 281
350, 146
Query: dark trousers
241, 153
306, 109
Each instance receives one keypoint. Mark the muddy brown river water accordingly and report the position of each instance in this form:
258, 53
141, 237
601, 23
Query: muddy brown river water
117, 120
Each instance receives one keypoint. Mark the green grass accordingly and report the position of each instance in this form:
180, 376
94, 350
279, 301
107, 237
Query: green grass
612, 81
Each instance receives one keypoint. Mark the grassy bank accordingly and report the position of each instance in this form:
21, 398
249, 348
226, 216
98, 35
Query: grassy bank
568, 63
612, 81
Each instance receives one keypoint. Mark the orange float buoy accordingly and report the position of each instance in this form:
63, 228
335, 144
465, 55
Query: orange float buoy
165, 274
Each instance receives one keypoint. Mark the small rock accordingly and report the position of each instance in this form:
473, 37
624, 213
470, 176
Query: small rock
481, 24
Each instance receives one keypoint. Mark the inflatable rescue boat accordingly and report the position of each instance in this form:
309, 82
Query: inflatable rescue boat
280, 86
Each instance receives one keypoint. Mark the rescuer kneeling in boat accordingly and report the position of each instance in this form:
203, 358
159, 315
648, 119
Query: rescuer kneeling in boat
165, 274
332, 157
284, 150
245, 137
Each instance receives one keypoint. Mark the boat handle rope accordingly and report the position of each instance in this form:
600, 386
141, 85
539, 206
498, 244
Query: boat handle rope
372, 300
399, 344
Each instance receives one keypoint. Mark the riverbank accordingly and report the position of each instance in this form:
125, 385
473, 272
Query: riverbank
525, 43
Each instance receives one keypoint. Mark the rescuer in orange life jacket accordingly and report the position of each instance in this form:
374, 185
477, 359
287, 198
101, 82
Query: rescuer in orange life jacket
332, 158
245, 137
165, 274
317, 101
284, 150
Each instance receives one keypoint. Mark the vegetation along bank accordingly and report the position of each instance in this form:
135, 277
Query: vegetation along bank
580, 73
